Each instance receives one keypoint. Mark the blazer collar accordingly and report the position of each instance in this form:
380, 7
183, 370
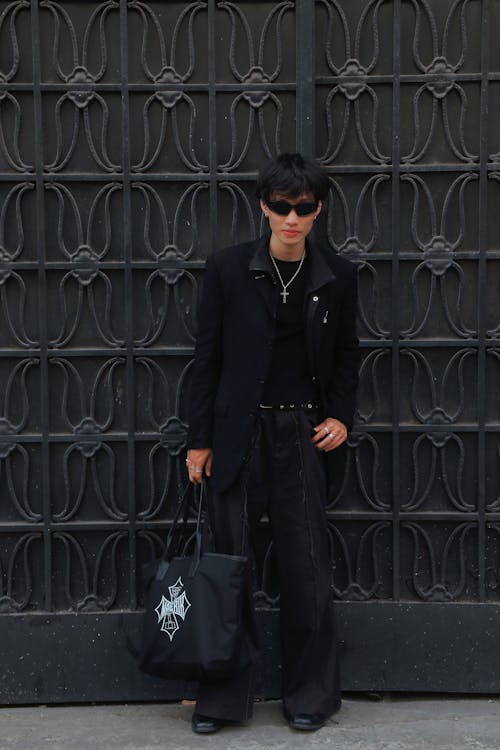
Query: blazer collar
320, 272
260, 260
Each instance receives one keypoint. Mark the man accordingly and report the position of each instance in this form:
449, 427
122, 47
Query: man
272, 395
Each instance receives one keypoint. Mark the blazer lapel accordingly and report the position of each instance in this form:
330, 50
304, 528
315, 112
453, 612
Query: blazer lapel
261, 270
320, 272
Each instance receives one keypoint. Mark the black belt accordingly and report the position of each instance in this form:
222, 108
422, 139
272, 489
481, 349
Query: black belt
307, 405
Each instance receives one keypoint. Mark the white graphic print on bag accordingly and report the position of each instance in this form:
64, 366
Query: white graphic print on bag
168, 610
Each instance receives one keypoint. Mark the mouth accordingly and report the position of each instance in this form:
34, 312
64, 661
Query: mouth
290, 233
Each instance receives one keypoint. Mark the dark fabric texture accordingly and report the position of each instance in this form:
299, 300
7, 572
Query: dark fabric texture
235, 343
289, 378
284, 477
194, 605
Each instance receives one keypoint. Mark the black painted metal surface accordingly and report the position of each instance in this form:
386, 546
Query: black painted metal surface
130, 134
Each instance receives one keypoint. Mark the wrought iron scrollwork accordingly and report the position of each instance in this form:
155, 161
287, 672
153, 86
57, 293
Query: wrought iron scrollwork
438, 390
79, 244
357, 248
239, 214
10, 42
438, 260
89, 579
92, 110
15, 464
441, 70
17, 573
257, 98
493, 559
438, 458
169, 102
12, 123
439, 571
77, 67
372, 382
160, 416
171, 276
359, 574
89, 461
362, 473
353, 84
166, 69
13, 294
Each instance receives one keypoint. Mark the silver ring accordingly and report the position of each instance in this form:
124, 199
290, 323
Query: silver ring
327, 431
197, 471
331, 435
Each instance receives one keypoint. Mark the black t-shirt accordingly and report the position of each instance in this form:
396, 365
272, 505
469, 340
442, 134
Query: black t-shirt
289, 379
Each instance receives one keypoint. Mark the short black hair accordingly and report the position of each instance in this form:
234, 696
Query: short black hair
292, 174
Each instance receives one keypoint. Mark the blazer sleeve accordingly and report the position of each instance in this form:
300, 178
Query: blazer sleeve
341, 391
207, 360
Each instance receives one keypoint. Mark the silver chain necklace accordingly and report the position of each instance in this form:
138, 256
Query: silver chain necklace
284, 293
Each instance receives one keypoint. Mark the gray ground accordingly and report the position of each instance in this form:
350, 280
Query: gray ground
394, 723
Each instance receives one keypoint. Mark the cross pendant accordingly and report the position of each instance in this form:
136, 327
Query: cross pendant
284, 294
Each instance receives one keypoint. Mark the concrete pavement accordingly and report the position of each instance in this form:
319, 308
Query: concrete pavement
394, 723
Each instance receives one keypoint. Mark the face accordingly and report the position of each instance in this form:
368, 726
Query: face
291, 229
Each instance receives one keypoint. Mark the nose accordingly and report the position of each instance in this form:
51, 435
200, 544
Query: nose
292, 217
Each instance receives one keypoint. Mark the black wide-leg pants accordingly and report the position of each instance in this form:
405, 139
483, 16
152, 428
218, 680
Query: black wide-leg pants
285, 477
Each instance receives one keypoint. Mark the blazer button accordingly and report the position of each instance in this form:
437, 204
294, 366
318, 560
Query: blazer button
315, 298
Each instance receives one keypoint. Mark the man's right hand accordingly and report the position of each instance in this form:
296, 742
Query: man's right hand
199, 462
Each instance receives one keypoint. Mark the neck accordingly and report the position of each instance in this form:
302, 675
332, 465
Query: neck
286, 252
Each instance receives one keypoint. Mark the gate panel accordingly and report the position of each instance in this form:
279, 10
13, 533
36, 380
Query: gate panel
130, 135
403, 126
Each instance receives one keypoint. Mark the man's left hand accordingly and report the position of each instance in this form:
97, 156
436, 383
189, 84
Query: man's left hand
330, 433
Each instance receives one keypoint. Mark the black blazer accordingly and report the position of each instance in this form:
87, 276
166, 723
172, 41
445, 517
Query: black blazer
234, 344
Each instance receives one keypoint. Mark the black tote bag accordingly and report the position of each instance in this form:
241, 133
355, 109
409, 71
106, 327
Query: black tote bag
192, 622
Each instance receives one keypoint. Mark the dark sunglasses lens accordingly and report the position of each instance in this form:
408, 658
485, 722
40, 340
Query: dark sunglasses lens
283, 208
305, 209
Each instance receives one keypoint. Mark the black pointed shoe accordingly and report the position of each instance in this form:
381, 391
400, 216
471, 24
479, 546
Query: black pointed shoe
205, 724
306, 722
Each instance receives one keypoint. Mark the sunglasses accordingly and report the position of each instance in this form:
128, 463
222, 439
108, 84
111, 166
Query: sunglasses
283, 208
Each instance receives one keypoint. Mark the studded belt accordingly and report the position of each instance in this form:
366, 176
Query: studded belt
306, 405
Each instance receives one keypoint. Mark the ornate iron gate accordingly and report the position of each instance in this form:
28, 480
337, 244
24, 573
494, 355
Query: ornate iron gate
130, 133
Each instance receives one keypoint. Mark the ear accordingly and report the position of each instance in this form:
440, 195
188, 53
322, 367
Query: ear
318, 210
264, 207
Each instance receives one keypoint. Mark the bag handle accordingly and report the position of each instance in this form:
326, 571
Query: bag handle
202, 525
182, 508
200, 521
